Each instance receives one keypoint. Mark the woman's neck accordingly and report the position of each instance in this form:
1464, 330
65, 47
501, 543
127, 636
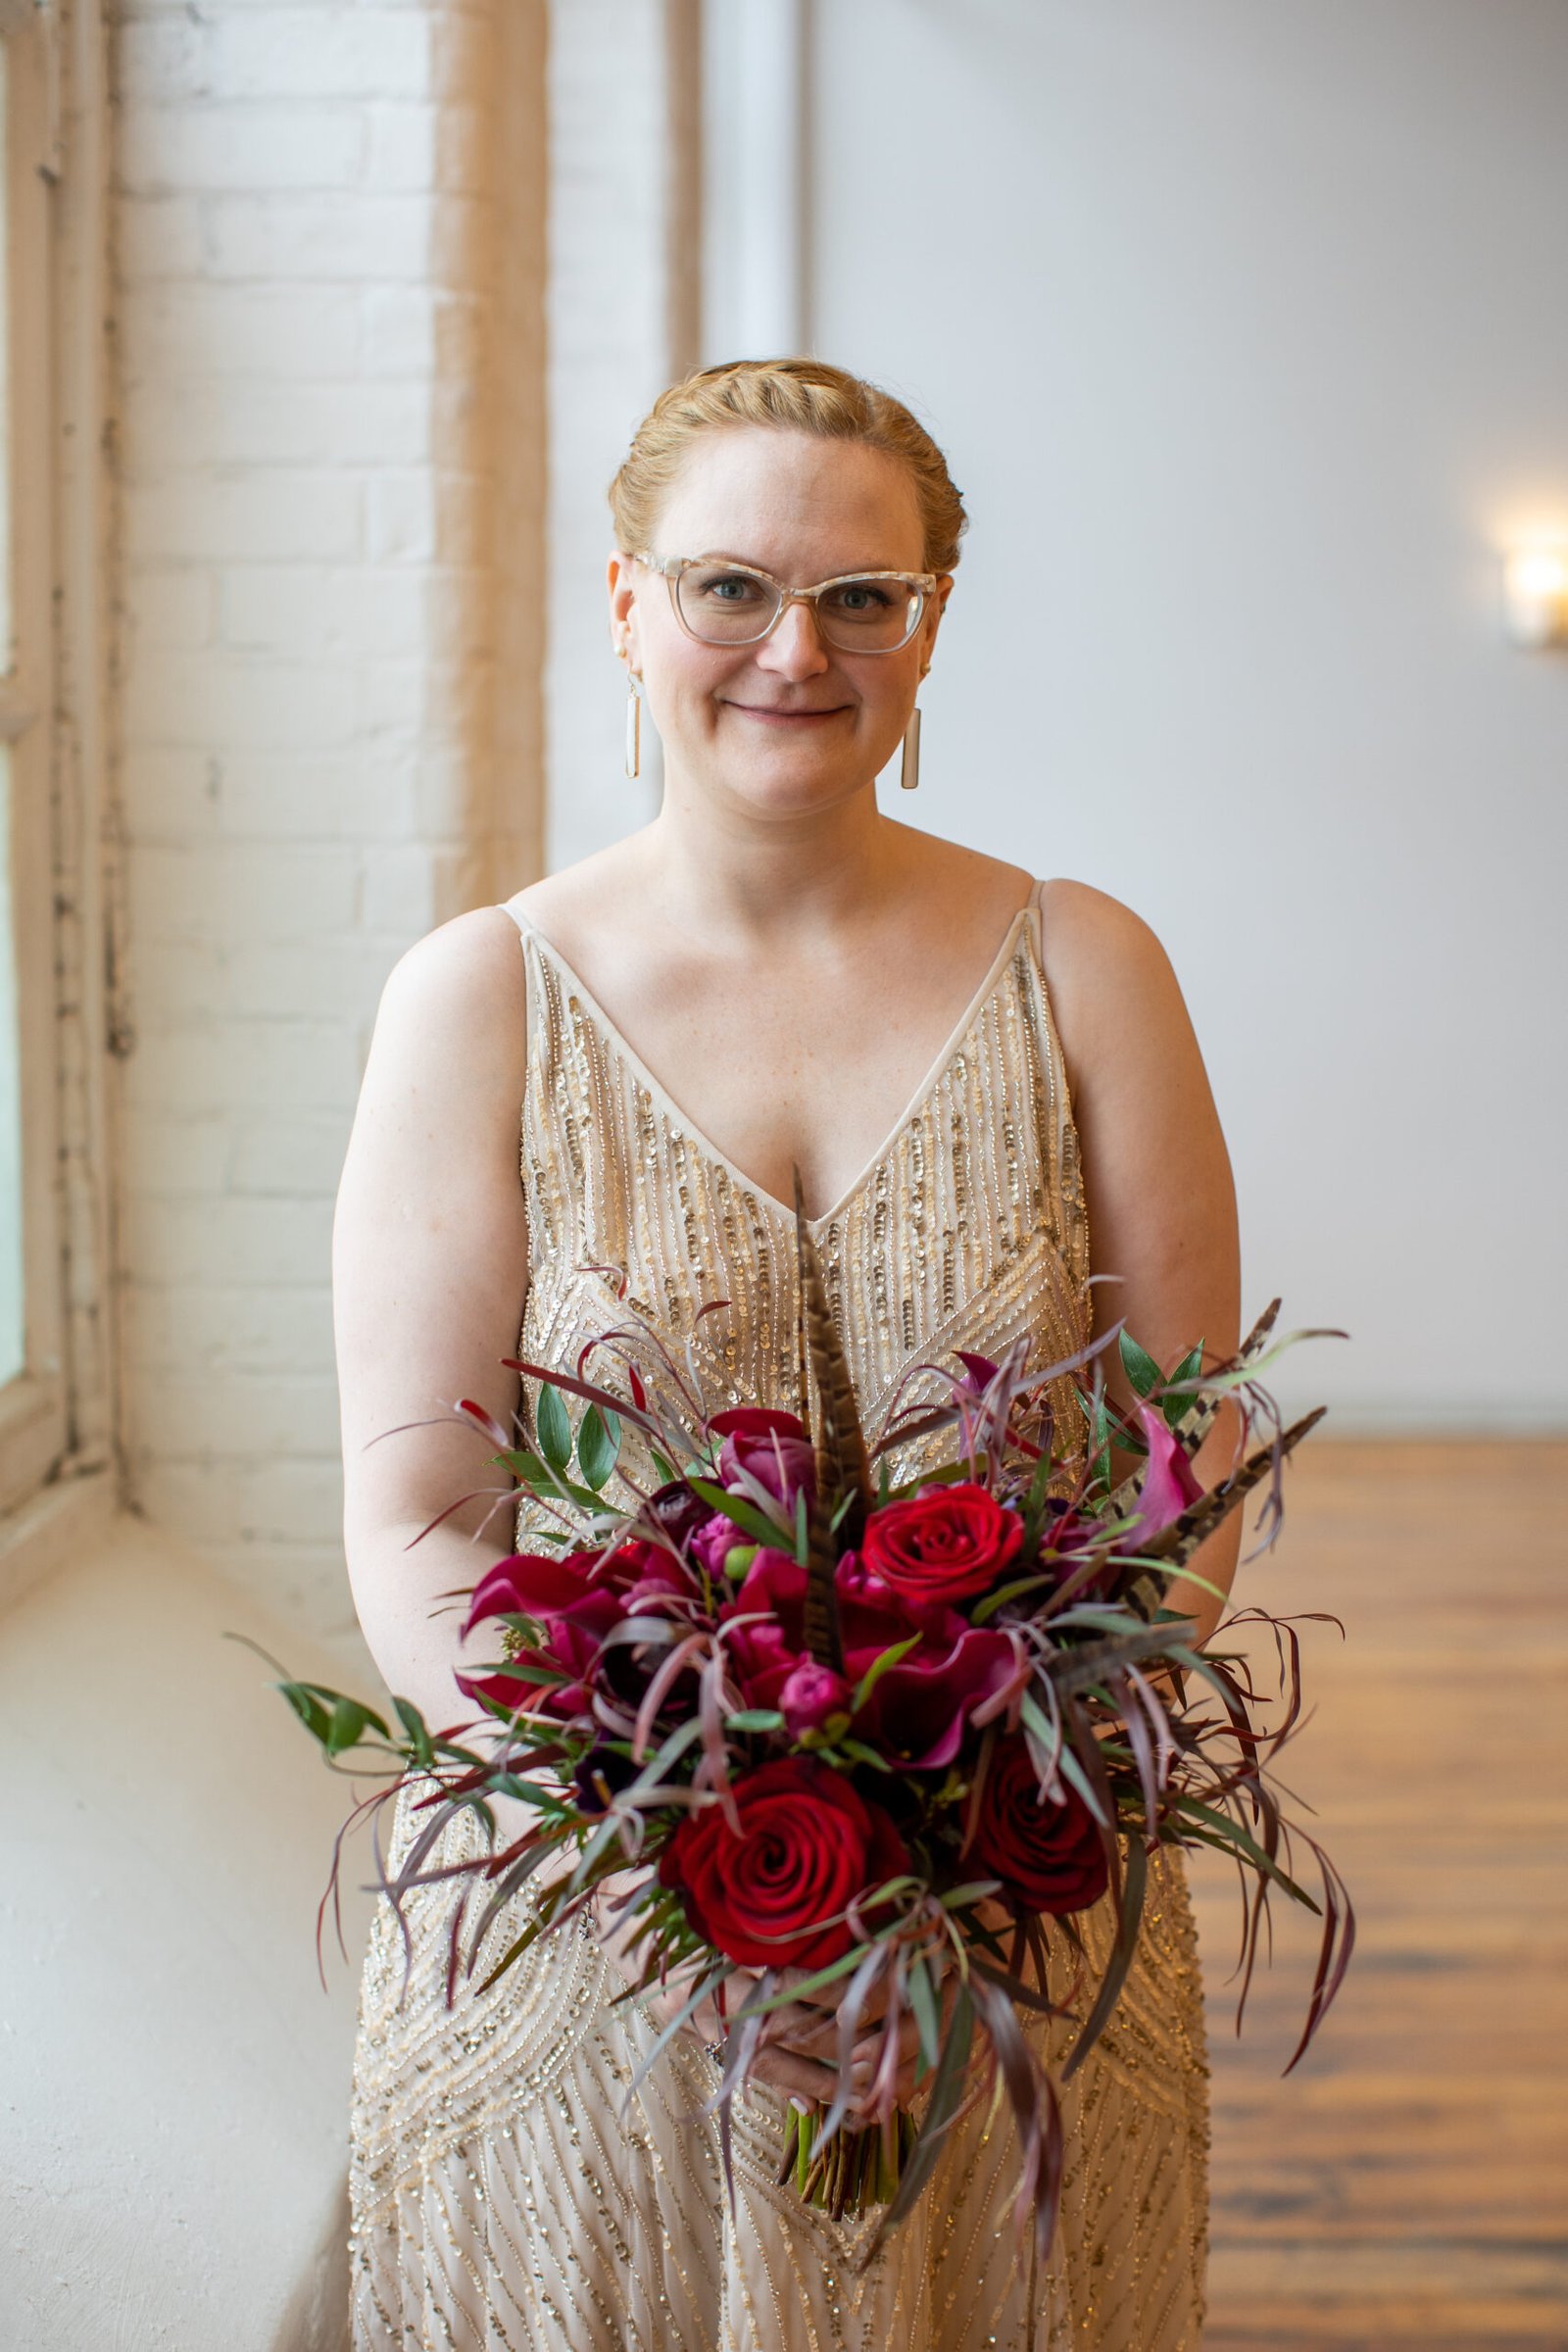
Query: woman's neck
750, 876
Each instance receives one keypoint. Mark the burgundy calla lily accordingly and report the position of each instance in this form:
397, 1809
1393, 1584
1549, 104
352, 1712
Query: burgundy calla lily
772, 1448
1168, 1484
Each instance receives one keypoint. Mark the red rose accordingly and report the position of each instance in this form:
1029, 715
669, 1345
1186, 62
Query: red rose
942, 1544
808, 1844
1048, 1856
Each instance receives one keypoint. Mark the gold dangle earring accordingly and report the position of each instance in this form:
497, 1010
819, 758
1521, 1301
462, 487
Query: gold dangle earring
909, 773
634, 725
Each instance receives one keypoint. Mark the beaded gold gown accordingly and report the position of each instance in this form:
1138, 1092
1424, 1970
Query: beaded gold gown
501, 2197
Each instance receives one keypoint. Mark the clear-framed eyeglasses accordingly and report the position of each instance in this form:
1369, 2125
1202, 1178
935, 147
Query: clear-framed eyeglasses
722, 602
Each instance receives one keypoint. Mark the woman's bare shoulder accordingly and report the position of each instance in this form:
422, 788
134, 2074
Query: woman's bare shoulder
455, 1002
579, 903
1106, 969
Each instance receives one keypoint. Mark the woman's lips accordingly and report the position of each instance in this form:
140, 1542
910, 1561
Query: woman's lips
788, 718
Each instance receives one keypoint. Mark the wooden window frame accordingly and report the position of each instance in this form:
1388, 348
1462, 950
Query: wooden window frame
55, 1416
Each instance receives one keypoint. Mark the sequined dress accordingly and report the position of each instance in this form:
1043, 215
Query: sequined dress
500, 2199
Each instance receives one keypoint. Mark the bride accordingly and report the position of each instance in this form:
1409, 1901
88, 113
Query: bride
974, 1073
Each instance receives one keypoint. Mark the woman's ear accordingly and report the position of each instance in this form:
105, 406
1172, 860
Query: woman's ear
621, 580
933, 616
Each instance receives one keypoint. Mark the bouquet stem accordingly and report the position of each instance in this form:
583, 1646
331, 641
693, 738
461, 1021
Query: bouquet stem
855, 2171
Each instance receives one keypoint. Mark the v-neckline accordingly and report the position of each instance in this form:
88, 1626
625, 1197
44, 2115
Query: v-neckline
937, 1070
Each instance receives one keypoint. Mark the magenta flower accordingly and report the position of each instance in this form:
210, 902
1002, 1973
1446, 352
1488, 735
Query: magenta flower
764, 1656
919, 1709
771, 1448
1169, 1484
574, 1602
811, 1694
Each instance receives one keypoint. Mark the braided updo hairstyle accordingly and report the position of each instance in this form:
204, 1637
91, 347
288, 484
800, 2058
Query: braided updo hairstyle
791, 395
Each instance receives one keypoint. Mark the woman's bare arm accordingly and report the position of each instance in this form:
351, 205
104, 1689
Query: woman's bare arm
1156, 1173
429, 1273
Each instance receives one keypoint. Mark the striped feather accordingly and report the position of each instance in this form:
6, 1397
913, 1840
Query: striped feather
1198, 1419
842, 1463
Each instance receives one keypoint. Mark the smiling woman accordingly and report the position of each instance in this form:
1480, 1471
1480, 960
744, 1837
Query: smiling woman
971, 1069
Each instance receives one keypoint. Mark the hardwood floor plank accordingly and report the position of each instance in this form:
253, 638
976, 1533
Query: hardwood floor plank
1408, 2183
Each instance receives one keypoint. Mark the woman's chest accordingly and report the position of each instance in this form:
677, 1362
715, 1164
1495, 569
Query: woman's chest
958, 1225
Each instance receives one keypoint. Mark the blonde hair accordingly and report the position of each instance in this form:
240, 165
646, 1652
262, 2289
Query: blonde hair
793, 395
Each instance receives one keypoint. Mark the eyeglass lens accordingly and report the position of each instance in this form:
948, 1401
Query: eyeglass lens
726, 606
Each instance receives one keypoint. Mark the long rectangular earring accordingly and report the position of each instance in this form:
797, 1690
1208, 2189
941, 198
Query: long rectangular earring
634, 725
909, 773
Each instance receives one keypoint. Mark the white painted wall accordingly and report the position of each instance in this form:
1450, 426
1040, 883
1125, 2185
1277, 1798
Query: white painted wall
613, 331
1245, 331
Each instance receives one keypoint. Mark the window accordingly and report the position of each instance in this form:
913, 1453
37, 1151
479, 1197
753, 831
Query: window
48, 1068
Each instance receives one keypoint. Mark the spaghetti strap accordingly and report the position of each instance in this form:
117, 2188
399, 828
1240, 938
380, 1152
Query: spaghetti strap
1036, 902
525, 932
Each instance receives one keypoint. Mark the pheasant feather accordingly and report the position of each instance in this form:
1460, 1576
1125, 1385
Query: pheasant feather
1198, 1419
842, 1464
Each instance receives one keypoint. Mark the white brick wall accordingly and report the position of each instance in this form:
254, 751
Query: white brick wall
327, 321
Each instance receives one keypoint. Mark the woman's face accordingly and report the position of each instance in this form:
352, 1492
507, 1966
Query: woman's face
791, 723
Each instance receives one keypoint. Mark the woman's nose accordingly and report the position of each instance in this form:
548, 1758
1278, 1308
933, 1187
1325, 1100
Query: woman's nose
795, 650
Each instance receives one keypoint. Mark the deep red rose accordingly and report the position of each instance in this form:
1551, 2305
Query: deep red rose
1048, 1856
808, 1844
942, 1544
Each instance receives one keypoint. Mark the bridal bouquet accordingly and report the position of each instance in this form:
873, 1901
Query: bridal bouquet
833, 1724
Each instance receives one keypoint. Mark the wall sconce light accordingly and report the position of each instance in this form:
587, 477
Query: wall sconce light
1534, 596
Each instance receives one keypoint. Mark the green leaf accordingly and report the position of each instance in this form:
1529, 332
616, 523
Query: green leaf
1073, 1772
969, 1892
746, 1515
923, 2001
1033, 1715
315, 1718
754, 1719
878, 1668
1189, 1369
1099, 1418
986, 1609
864, 1755
598, 1445
555, 1428
1143, 1373
349, 1723
1136, 1872
417, 1732
753, 2007
548, 1481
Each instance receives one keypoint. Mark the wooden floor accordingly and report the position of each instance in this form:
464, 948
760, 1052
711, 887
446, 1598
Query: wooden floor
1409, 2183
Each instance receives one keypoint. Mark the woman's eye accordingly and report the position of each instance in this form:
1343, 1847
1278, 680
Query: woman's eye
862, 596
727, 587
